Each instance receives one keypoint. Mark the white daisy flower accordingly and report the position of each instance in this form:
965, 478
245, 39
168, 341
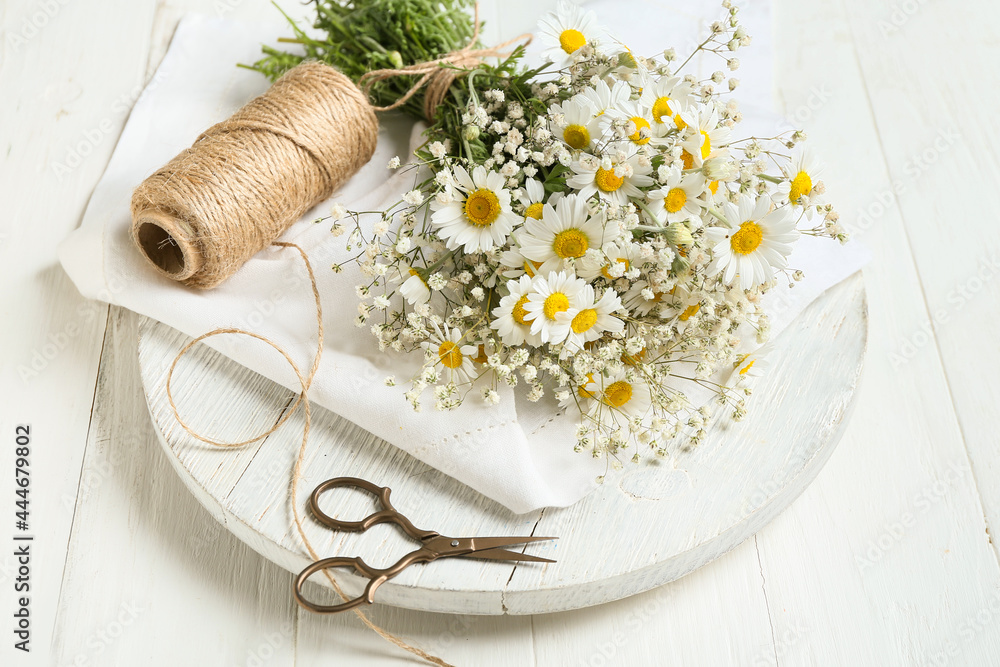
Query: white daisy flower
565, 31
620, 397
510, 317
566, 231
605, 179
803, 174
589, 321
665, 99
685, 305
414, 288
640, 117
516, 264
532, 198
579, 396
678, 199
753, 364
641, 298
455, 358
704, 137
479, 218
612, 261
631, 68
715, 193
757, 241
552, 294
580, 127
604, 98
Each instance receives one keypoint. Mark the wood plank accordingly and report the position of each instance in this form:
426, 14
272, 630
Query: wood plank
66, 93
152, 578
935, 110
717, 615
144, 554
884, 559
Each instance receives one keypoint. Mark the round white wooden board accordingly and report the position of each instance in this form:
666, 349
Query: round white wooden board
645, 526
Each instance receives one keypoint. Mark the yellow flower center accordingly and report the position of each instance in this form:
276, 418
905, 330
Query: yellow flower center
555, 303
582, 391
606, 271
571, 40
706, 146
661, 108
519, 313
607, 181
743, 371
482, 208
413, 272
534, 211
747, 238
714, 187
689, 312
688, 160
640, 125
584, 320
634, 359
481, 357
679, 122
801, 185
450, 355
530, 268
570, 243
618, 394
675, 200
577, 136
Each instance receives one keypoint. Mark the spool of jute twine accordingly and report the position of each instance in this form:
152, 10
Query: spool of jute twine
201, 216
247, 179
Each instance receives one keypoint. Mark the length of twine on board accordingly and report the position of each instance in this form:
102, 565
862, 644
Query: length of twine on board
439, 74
305, 381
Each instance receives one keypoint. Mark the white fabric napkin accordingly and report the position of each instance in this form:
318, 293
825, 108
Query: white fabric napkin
515, 452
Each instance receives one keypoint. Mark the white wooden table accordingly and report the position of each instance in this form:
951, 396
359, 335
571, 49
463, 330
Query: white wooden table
885, 560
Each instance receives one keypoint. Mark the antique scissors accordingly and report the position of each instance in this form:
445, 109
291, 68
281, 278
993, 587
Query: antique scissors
434, 545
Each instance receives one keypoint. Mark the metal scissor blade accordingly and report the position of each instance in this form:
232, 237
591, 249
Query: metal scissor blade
503, 554
484, 543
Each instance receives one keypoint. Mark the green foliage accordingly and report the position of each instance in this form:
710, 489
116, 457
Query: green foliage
366, 35
507, 76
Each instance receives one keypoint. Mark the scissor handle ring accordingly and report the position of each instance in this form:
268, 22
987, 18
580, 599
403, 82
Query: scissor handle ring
386, 514
375, 579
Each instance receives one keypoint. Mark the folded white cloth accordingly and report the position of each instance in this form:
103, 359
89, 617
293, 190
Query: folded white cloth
515, 452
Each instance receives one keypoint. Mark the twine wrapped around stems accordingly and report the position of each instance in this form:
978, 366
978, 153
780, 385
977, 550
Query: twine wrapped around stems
438, 75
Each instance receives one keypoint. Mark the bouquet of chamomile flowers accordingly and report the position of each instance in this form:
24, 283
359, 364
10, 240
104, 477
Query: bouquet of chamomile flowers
592, 233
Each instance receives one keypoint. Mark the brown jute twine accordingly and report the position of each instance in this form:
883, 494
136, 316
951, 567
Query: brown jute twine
301, 400
247, 179
439, 74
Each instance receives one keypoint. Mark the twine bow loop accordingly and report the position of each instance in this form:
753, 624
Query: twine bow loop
438, 74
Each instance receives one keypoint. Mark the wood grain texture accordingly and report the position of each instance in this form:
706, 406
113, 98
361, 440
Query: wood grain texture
59, 116
799, 594
674, 520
